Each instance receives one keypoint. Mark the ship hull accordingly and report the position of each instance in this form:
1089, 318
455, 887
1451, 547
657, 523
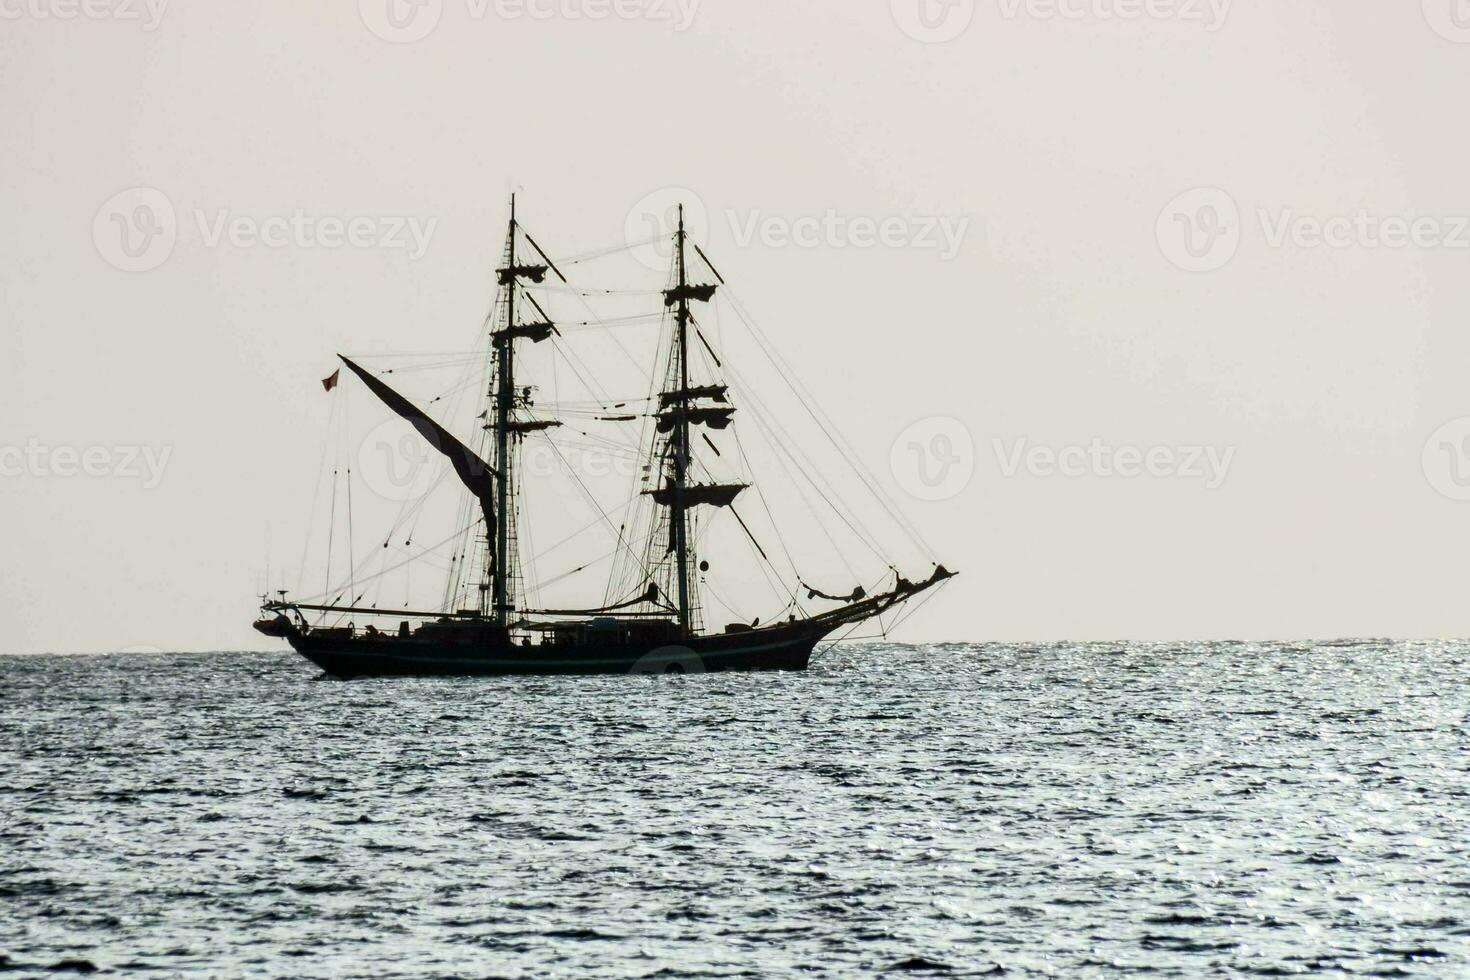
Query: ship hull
779, 648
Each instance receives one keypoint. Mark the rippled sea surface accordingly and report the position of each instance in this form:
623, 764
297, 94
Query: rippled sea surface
957, 810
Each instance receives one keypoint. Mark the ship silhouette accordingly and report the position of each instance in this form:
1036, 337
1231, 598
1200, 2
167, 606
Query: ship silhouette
656, 625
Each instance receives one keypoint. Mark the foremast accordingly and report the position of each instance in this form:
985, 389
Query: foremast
507, 428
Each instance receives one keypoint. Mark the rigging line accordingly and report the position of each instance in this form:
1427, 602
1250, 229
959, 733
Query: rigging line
828, 429
392, 568
530, 578
761, 495
608, 321
606, 251
626, 569
824, 650
583, 567
767, 425
739, 616
768, 571
833, 434
815, 476
315, 494
351, 535
579, 569
807, 466
912, 610
377, 356
331, 532
411, 508
593, 500
612, 336
575, 291
573, 362
444, 361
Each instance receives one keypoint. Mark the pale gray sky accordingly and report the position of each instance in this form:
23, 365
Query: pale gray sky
1219, 246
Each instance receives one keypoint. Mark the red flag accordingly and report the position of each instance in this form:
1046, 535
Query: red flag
331, 382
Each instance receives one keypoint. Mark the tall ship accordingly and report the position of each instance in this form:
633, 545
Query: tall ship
696, 496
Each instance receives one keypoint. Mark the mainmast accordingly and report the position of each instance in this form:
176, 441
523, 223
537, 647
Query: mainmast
504, 393
679, 514
678, 410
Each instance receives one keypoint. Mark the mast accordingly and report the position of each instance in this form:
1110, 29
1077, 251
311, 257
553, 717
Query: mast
501, 538
681, 441
505, 392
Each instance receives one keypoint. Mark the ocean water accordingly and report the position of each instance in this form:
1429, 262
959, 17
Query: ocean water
956, 810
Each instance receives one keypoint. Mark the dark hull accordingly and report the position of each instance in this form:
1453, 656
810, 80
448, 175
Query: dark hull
786, 647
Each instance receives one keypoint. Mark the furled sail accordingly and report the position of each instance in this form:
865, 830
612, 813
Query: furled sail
476, 474
716, 392
857, 593
535, 332
702, 294
535, 273
714, 495
715, 417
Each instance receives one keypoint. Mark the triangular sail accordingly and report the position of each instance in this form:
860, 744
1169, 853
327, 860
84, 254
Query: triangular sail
474, 472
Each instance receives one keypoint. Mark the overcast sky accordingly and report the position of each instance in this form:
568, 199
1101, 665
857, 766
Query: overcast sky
1151, 316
